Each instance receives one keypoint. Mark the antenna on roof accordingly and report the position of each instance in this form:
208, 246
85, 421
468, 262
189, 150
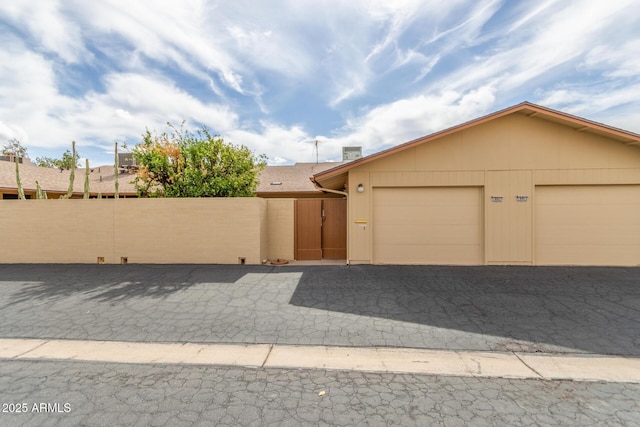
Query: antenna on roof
315, 144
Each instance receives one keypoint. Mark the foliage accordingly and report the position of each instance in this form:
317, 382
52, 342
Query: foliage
66, 162
13, 147
184, 164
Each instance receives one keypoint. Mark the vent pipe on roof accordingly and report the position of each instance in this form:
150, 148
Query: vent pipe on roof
351, 153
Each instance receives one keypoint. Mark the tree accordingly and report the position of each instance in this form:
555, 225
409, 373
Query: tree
184, 164
66, 162
14, 148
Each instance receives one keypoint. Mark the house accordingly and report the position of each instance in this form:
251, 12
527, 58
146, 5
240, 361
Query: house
527, 185
56, 181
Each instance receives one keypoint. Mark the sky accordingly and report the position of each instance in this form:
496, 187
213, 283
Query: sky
278, 75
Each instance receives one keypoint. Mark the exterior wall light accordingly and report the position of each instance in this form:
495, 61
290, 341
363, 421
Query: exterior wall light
360, 188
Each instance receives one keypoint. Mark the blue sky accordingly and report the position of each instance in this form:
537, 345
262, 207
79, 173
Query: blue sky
277, 75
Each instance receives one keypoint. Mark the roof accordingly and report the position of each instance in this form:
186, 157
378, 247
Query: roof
291, 178
101, 179
336, 176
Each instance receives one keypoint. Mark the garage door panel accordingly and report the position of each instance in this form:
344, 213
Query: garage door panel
428, 225
576, 255
435, 254
597, 235
588, 225
445, 196
590, 214
406, 234
584, 195
439, 215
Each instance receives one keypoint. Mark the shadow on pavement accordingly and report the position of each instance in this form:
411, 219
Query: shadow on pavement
112, 283
593, 309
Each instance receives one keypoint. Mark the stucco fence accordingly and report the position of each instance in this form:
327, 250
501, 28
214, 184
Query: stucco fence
113, 231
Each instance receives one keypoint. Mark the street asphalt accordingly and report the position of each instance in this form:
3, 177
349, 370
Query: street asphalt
183, 395
577, 312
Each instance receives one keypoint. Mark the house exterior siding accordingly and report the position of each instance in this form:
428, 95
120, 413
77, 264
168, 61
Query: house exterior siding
510, 157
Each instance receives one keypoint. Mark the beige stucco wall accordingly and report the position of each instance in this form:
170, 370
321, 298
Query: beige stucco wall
58, 231
142, 230
280, 229
532, 151
513, 142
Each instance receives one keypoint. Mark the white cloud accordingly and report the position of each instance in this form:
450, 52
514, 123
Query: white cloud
8, 132
381, 72
364, 59
35, 111
398, 15
175, 33
28, 95
623, 61
49, 24
529, 14
276, 141
617, 106
411, 118
554, 36
468, 25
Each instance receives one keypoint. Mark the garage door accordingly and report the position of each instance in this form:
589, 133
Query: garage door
435, 225
587, 225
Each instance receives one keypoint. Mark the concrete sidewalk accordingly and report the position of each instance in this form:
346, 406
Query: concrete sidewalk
480, 364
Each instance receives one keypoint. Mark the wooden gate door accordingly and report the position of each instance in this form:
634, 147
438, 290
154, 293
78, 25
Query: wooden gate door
321, 229
334, 228
308, 229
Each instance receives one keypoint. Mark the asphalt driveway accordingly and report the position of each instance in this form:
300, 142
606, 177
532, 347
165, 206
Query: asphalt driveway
559, 309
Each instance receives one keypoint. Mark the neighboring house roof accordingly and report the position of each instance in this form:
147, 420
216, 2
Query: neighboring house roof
291, 179
334, 178
101, 179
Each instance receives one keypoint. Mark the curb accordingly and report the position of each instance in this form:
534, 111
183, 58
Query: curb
480, 364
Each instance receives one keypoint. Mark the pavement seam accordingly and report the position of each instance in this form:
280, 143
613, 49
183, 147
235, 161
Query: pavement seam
529, 366
264, 362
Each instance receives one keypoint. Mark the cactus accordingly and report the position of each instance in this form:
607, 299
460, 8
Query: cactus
115, 173
39, 193
73, 172
86, 179
20, 191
